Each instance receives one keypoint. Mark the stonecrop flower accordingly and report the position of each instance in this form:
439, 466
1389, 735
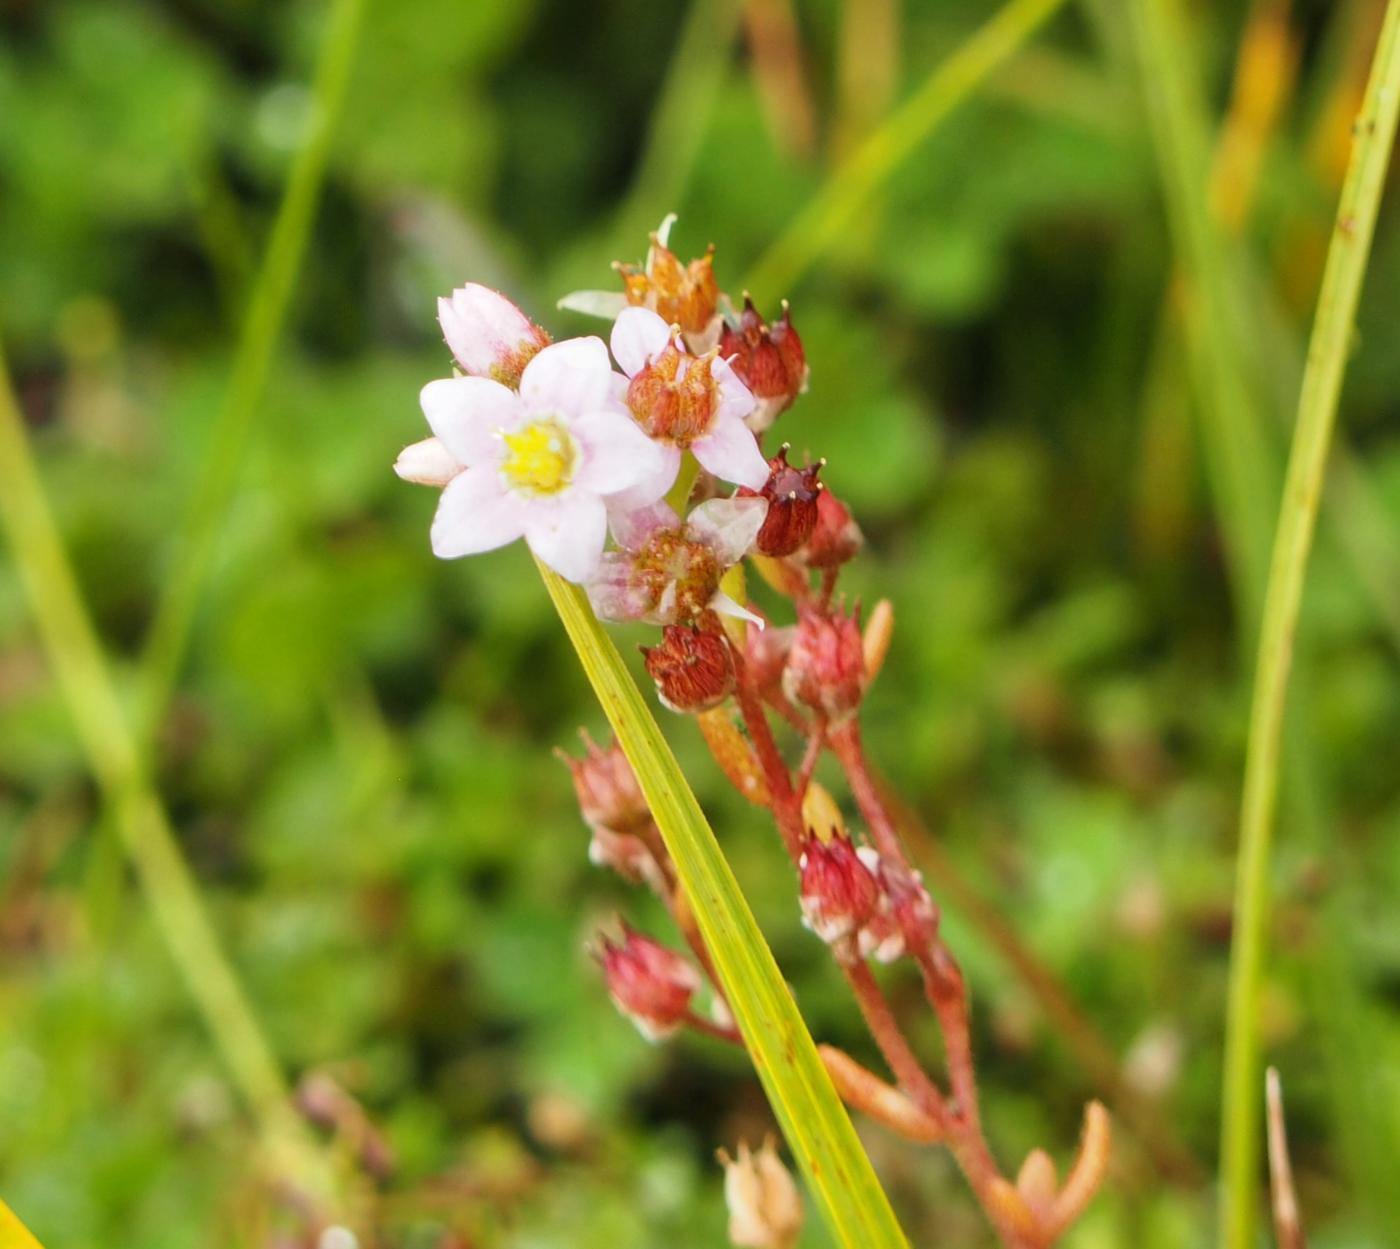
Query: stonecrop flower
685, 402
668, 571
488, 334
537, 463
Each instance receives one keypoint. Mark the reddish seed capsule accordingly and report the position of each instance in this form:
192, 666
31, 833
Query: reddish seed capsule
769, 359
840, 896
648, 983
793, 495
836, 537
826, 665
693, 670
607, 789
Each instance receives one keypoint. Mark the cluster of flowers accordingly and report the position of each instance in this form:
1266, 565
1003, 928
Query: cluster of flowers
636, 469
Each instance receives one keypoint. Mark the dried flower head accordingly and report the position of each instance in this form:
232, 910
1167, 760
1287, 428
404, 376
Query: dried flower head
692, 668
769, 359
650, 984
839, 893
792, 495
683, 295
765, 1209
607, 788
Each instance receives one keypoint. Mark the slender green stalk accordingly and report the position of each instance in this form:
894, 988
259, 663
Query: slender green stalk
813, 1120
140, 820
262, 328
1317, 409
856, 180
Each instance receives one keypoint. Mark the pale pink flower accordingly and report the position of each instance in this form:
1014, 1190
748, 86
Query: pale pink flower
686, 402
668, 571
537, 463
488, 334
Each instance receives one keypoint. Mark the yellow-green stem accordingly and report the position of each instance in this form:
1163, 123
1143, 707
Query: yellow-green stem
1241, 1106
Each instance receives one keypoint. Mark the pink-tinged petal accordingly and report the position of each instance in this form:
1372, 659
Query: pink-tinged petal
631, 527
731, 453
467, 413
637, 335
568, 532
612, 591
735, 399
570, 378
427, 463
726, 606
616, 454
652, 488
476, 513
728, 526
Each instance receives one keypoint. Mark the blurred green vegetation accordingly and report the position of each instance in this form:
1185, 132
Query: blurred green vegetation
357, 760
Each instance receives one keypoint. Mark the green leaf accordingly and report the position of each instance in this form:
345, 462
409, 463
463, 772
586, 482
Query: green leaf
814, 1121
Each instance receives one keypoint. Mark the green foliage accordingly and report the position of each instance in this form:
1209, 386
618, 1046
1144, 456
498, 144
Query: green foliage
356, 760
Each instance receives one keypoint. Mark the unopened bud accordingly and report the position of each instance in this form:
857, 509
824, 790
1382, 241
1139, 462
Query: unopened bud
607, 788
839, 894
766, 653
769, 359
489, 335
875, 641
792, 495
734, 755
826, 666
693, 669
836, 538
820, 815
765, 1209
648, 983
683, 295
626, 854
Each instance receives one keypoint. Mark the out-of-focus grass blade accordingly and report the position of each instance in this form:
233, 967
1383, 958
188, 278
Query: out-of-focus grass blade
13, 1233
816, 1124
1317, 409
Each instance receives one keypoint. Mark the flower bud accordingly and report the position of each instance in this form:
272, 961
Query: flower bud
769, 359
607, 789
626, 854
683, 295
839, 893
765, 1209
675, 395
648, 983
792, 495
908, 917
826, 666
836, 538
766, 652
693, 669
489, 335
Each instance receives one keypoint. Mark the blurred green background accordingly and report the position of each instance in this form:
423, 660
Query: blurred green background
356, 758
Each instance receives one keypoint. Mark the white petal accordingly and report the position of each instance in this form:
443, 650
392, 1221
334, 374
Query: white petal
652, 488
735, 399
572, 377
728, 526
568, 532
637, 336
616, 454
427, 463
467, 413
726, 606
605, 304
731, 453
631, 527
476, 513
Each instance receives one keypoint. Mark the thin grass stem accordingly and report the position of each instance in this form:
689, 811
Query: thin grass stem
1317, 408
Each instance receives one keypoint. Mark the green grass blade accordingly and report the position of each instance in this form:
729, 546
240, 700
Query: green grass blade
818, 226
814, 1121
1317, 409
115, 759
262, 329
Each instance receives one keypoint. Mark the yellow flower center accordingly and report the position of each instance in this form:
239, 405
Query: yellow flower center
540, 458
